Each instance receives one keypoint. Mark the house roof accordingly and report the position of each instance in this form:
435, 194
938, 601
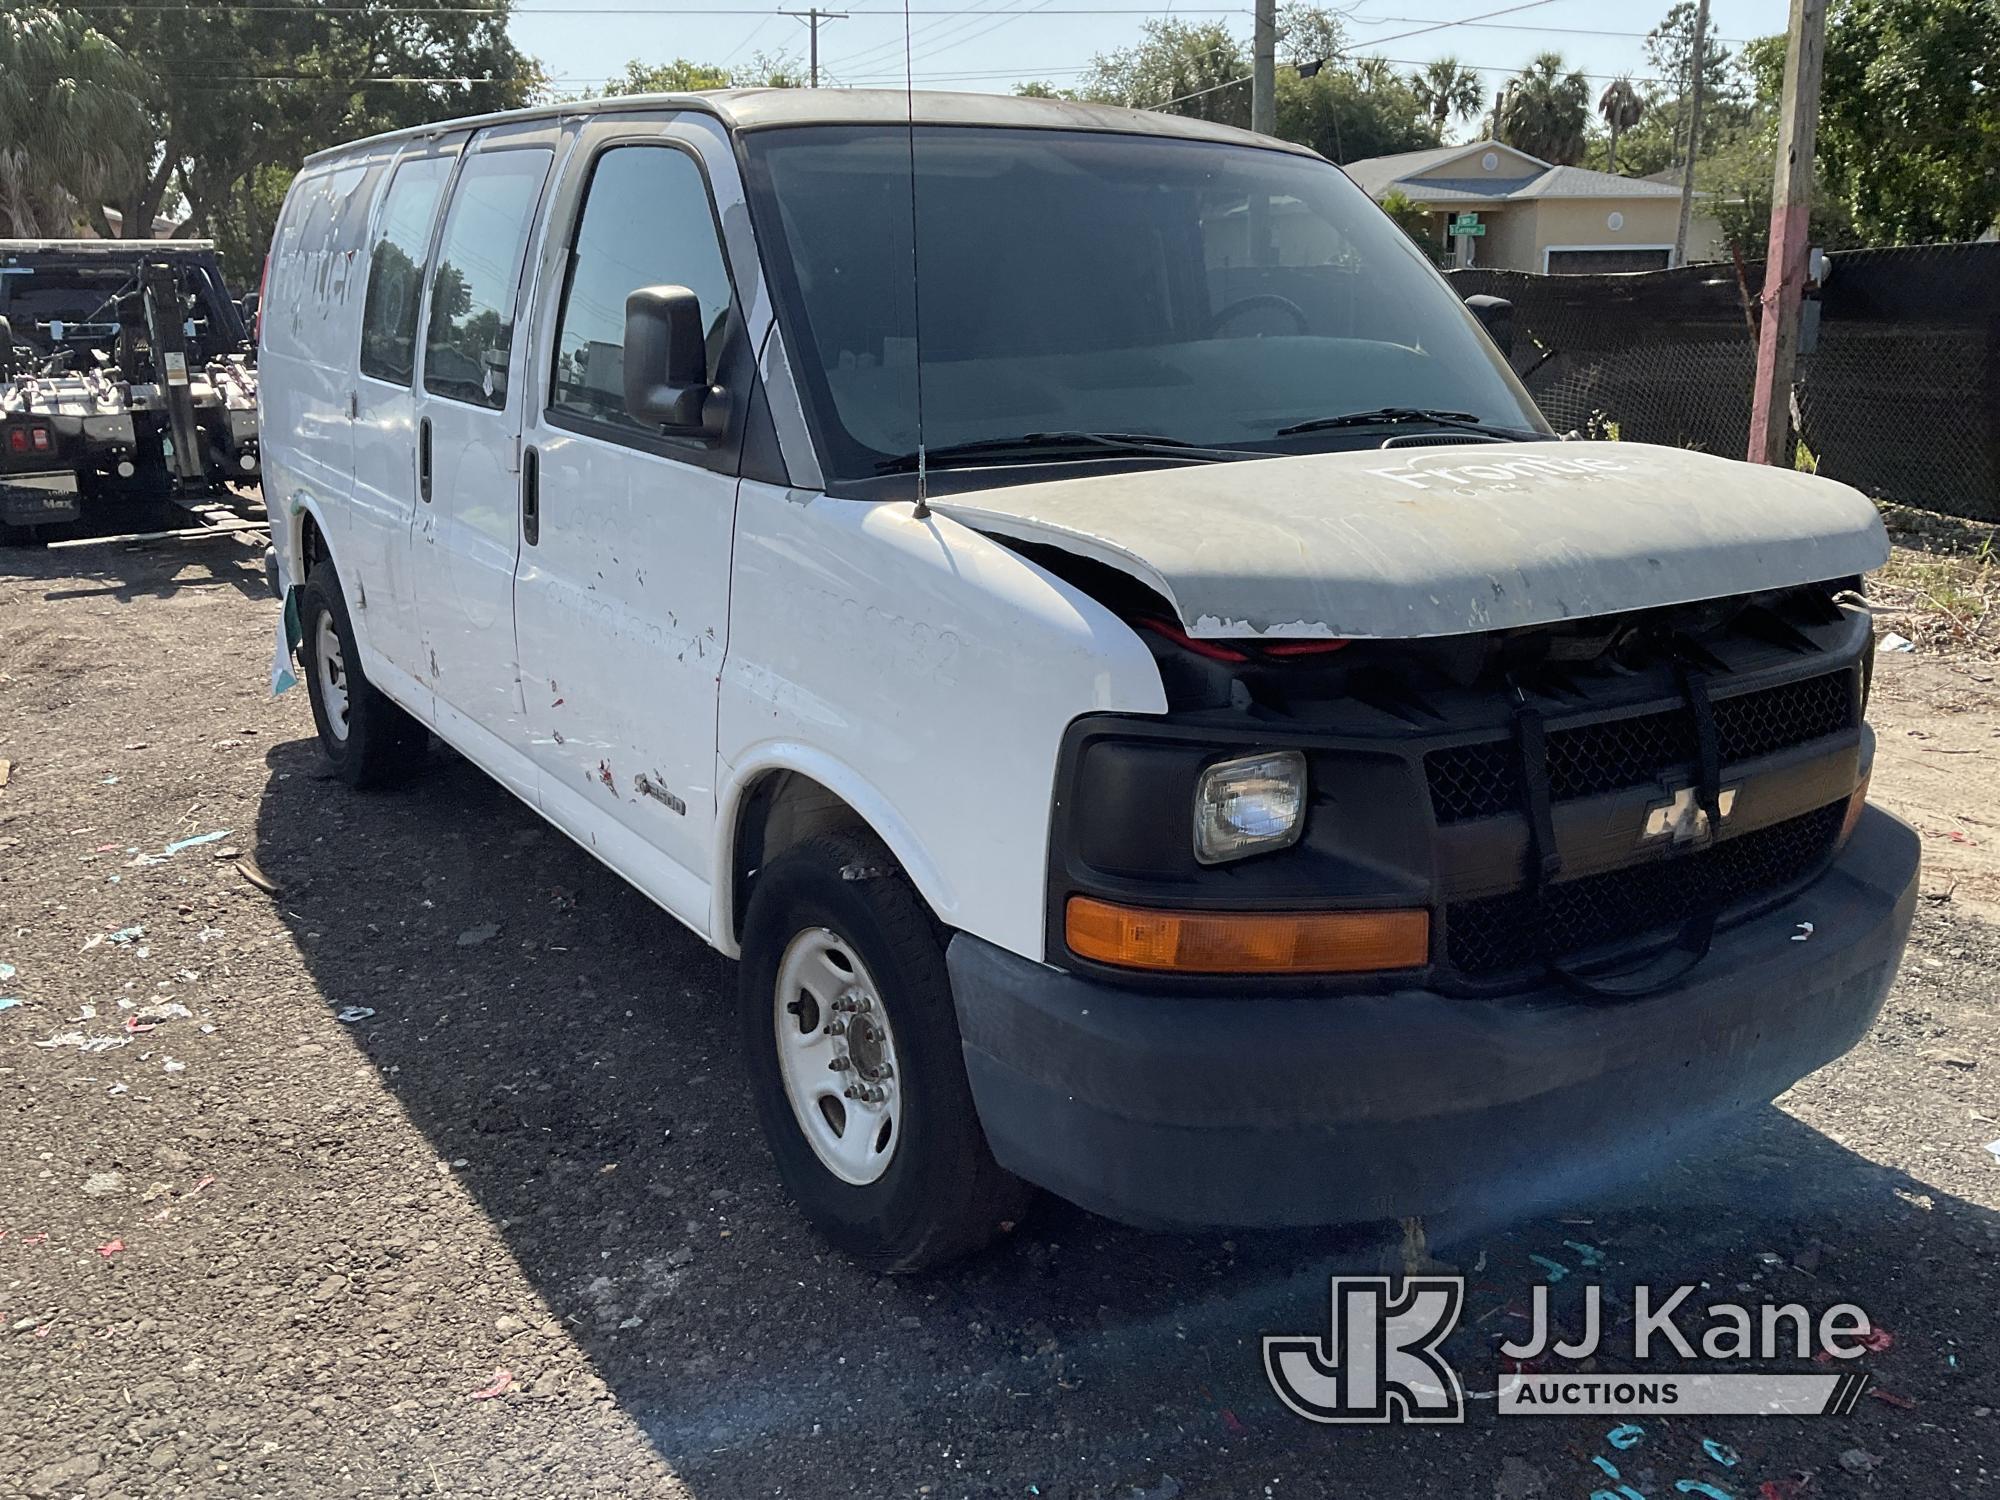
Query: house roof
1378, 175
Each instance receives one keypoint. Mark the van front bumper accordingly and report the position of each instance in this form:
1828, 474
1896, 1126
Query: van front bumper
1184, 1109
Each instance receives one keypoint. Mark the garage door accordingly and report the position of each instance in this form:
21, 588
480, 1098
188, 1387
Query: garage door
1593, 262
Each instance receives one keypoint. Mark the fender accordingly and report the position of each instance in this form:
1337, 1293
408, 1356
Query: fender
300, 504
883, 818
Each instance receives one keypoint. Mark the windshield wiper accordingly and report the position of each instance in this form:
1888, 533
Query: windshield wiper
1054, 446
1396, 416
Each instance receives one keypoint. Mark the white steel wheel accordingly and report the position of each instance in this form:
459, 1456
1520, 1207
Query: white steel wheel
837, 1056
332, 674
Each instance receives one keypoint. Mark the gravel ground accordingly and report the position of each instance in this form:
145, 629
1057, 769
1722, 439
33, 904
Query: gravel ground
435, 1174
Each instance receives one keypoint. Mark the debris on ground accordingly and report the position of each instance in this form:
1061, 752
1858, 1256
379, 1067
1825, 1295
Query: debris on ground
472, 937
1895, 642
250, 870
353, 1013
499, 1385
84, 1042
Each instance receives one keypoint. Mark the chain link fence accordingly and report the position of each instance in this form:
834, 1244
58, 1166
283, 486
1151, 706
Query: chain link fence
1899, 398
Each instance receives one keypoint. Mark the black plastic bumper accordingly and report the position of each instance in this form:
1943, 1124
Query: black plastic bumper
1184, 1110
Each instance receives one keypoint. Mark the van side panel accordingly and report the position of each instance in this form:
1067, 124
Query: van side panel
932, 673
311, 322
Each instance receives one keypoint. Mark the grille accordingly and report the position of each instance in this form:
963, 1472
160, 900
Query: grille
1497, 934
1484, 779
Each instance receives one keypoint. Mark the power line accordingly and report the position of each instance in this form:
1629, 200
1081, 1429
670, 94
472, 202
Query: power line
1525, 26
937, 33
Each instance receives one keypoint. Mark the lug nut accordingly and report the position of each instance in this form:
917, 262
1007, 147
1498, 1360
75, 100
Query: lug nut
836, 1027
840, 1065
852, 1091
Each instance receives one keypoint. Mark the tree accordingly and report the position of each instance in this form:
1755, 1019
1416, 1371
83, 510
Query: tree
1620, 107
71, 122
1179, 66
1448, 90
1344, 116
1909, 133
237, 89
1413, 218
1670, 49
677, 77
1309, 34
1670, 54
1545, 111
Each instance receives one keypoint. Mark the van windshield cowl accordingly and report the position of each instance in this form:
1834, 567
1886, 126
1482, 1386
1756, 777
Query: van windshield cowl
1198, 293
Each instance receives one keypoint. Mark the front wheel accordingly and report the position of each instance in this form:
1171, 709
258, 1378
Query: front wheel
853, 1051
370, 741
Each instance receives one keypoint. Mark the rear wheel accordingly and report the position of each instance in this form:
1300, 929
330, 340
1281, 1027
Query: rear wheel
370, 741
853, 1052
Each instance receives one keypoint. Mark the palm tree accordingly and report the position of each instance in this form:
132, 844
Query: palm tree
71, 122
1622, 108
1448, 89
1544, 111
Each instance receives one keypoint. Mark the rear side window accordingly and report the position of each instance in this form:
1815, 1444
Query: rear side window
396, 270
646, 222
471, 334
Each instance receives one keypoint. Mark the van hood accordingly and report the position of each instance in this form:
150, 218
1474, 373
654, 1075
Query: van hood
1403, 543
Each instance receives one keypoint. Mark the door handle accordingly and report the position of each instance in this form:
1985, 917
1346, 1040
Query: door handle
531, 496
424, 459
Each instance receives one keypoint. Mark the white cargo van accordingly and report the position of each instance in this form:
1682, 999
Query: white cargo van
1076, 604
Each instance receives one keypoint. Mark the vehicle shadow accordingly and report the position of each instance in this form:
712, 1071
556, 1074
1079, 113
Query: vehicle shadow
127, 571
571, 1051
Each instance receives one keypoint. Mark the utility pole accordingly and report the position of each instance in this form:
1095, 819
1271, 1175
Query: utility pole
813, 21
1785, 263
1700, 58
1264, 69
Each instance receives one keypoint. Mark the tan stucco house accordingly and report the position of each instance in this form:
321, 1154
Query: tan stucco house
1538, 216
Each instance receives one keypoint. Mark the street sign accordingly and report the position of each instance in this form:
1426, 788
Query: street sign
1461, 227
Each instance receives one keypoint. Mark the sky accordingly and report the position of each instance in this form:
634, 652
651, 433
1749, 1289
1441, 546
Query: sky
989, 45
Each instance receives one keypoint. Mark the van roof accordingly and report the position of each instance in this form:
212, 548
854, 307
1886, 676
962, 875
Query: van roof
758, 109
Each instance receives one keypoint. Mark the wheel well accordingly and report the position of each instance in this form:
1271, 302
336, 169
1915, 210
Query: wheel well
781, 809
312, 545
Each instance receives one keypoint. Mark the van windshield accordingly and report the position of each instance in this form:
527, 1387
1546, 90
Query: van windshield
1084, 282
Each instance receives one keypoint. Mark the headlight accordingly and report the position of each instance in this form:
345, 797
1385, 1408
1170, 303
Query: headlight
1249, 806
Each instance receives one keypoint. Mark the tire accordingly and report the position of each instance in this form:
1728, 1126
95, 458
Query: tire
370, 741
937, 1193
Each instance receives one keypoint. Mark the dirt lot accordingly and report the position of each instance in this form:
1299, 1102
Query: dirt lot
435, 1176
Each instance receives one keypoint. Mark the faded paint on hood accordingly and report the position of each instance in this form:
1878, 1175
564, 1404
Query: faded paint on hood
1402, 543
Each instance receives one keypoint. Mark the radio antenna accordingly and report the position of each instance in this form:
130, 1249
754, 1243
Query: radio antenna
923, 508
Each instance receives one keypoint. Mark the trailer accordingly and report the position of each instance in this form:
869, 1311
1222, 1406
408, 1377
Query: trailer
126, 364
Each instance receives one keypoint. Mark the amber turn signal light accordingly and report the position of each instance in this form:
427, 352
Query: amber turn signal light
1856, 806
1200, 942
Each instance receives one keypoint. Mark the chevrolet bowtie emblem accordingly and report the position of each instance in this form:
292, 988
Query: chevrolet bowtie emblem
1681, 818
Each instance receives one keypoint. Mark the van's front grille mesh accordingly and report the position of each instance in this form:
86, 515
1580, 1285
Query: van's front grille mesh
1483, 780
1499, 934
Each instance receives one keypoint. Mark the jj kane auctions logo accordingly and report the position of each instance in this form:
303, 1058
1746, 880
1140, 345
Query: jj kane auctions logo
1381, 1358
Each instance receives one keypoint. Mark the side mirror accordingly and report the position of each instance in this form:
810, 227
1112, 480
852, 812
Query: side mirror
1496, 316
666, 365
248, 307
